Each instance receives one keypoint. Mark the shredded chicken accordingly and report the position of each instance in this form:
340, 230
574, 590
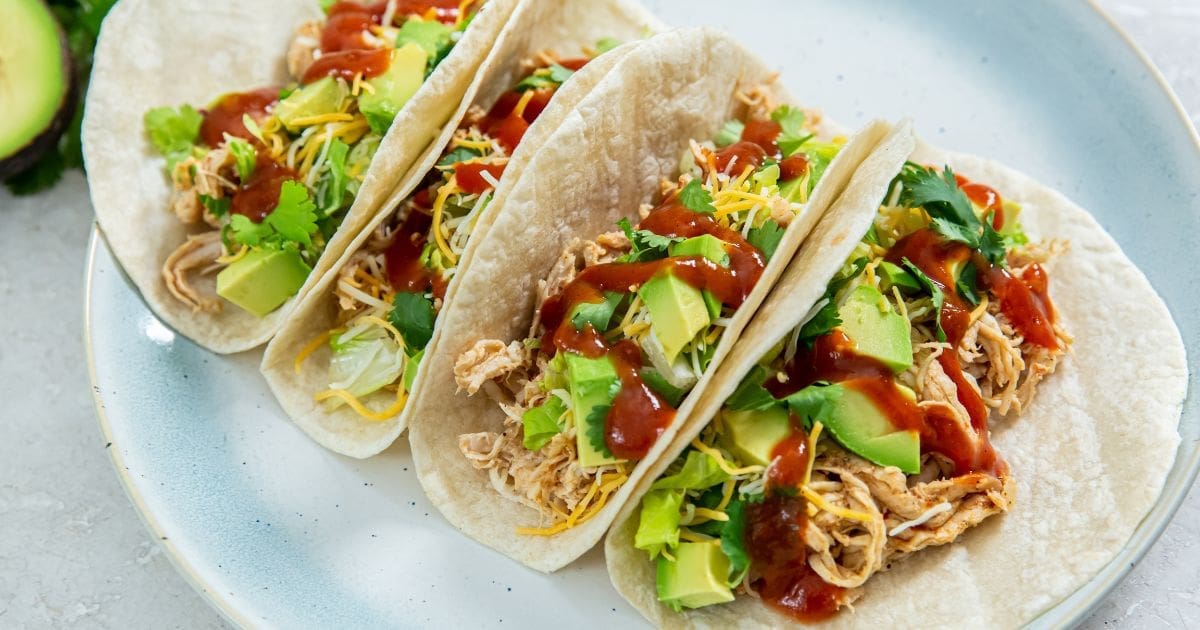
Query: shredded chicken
199, 253
208, 176
304, 48
488, 360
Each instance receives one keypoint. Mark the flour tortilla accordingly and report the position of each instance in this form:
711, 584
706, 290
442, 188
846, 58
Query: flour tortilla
604, 160
565, 27
1090, 455
153, 53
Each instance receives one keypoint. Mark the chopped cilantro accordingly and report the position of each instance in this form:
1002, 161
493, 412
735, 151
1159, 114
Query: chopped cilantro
412, 314
938, 193
292, 220
791, 120
826, 318
218, 207
644, 244
597, 314
992, 245
967, 284
461, 154
935, 294
733, 541
173, 131
695, 198
750, 393
766, 237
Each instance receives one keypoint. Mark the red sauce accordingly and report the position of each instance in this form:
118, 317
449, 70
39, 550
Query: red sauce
774, 537
257, 198
225, 115
740, 155
763, 132
403, 258
347, 64
1025, 301
985, 197
731, 285
793, 168
469, 176
638, 414
345, 26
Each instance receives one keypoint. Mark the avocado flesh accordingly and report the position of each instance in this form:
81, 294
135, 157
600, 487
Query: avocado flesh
876, 329
752, 434
677, 312
698, 577
36, 84
392, 89
861, 426
895, 275
320, 97
263, 279
705, 245
591, 382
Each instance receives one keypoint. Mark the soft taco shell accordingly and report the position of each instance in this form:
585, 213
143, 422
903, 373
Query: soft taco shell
154, 53
604, 160
1089, 456
564, 27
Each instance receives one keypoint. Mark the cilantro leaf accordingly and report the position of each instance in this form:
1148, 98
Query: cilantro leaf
939, 194
791, 120
644, 244
248, 232
750, 393
597, 314
967, 284
814, 403
695, 198
412, 314
730, 133
954, 232
992, 245
673, 395
243, 156
733, 541
461, 154
173, 131
553, 76
218, 207
294, 217
935, 293
766, 237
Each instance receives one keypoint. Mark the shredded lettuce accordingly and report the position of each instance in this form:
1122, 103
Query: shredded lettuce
331, 188
365, 362
699, 471
729, 134
541, 423
243, 156
658, 526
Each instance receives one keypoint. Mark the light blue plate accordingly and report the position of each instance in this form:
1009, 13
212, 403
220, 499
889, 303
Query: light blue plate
276, 531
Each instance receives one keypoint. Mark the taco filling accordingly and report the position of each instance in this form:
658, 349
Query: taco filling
629, 323
863, 436
390, 291
267, 176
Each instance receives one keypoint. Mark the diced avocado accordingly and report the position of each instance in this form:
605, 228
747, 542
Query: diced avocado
751, 435
712, 302
320, 97
591, 382
861, 426
698, 577
1012, 219
705, 245
431, 35
263, 279
795, 189
677, 312
392, 89
410, 369
876, 329
895, 275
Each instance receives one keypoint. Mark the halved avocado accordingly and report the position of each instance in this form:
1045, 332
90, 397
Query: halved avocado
37, 84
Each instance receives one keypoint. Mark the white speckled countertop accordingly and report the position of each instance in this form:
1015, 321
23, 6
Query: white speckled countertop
72, 550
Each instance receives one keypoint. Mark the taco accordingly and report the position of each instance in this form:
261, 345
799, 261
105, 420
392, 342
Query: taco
267, 184
579, 363
348, 358
876, 408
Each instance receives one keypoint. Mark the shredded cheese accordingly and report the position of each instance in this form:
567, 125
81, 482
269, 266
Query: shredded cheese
232, 258
582, 513
363, 410
721, 463
920, 520
519, 110
438, 206
321, 119
812, 450
311, 347
840, 512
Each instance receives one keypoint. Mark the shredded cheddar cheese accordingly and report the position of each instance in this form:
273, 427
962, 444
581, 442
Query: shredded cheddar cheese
721, 463
438, 207
311, 347
363, 410
819, 501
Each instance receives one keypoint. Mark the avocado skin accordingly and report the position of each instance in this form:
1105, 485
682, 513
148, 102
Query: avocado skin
47, 140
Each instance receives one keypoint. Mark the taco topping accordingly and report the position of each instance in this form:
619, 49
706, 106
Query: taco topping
630, 322
271, 173
390, 291
863, 436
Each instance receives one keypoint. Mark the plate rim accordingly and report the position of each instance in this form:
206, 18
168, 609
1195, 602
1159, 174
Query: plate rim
1144, 536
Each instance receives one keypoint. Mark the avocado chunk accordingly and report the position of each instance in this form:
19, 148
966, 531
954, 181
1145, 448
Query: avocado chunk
705, 245
861, 426
677, 311
751, 435
392, 89
592, 383
876, 329
698, 577
263, 279
37, 84
320, 97
895, 275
